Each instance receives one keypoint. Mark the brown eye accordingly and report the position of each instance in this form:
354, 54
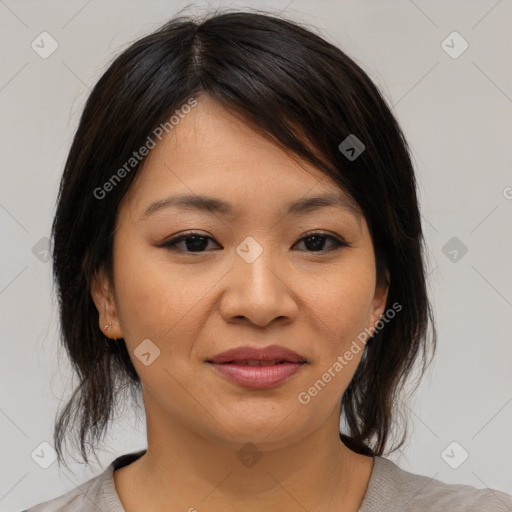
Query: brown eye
190, 243
316, 242
198, 243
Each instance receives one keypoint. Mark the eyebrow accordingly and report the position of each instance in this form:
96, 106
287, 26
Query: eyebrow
218, 206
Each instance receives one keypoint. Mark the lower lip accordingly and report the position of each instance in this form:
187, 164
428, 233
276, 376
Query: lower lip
258, 377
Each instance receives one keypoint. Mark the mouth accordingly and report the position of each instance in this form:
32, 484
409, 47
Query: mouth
257, 368
256, 362
272, 354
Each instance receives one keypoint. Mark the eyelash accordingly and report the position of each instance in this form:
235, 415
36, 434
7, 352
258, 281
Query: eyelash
172, 242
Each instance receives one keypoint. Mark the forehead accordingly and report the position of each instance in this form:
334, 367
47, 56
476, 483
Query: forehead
214, 153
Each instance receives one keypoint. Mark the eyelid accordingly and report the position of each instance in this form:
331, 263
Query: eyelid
339, 241
339, 238
171, 242
175, 239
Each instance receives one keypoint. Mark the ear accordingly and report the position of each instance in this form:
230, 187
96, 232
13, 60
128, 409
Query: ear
379, 300
103, 298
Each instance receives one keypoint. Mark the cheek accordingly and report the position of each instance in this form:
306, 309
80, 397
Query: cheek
344, 310
151, 297
345, 302
160, 301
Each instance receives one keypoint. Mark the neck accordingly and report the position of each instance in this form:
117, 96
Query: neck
184, 471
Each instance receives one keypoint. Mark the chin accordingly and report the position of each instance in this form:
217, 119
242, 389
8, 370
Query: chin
270, 430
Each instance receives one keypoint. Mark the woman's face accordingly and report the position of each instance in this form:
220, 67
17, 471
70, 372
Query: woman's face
260, 272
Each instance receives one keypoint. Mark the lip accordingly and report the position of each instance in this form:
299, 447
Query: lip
233, 365
269, 353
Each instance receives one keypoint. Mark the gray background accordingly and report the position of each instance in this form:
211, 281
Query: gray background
456, 114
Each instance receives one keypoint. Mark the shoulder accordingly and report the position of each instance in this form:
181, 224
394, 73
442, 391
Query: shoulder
392, 488
88, 496
97, 494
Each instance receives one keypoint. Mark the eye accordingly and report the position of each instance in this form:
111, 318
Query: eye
316, 242
196, 243
193, 242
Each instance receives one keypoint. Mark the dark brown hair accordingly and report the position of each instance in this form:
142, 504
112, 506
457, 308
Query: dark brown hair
307, 96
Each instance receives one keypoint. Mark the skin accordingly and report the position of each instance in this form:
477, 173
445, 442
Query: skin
193, 305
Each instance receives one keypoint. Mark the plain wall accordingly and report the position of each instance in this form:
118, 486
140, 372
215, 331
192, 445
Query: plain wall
456, 116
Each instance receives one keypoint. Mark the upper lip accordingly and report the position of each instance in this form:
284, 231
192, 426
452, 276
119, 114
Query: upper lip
269, 353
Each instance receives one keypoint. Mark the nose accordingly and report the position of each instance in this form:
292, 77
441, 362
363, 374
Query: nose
259, 291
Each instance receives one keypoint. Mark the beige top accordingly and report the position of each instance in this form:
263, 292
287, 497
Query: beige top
390, 489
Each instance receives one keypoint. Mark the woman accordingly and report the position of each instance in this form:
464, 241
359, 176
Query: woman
238, 219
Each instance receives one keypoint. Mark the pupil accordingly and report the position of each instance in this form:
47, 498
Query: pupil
318, 241
196, 242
